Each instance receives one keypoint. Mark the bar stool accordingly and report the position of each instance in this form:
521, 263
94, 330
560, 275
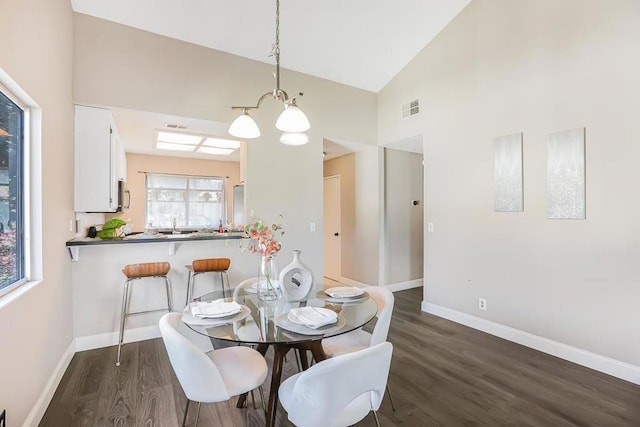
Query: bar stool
136, 272
207, 265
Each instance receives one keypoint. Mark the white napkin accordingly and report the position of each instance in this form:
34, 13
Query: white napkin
343, 291
213, 309
312, 317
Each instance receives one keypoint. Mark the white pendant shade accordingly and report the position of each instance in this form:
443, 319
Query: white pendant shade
294, 138
244, 127
292, 119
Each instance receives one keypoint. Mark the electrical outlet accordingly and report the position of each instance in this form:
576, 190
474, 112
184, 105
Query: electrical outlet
482, 304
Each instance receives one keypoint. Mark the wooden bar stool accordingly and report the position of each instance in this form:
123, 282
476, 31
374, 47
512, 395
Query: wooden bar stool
136, 272
207, 265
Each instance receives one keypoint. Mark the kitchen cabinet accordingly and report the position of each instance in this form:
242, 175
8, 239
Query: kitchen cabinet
97, 161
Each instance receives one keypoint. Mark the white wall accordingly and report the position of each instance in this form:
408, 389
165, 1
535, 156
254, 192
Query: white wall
403, 221
119, 66
36, 325
532, 66
359, 214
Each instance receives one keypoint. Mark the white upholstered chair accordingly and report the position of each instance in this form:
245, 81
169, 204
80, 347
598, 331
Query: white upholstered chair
339, 391
210, 377
359, 339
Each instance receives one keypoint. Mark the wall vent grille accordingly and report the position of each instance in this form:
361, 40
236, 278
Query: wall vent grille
411, 108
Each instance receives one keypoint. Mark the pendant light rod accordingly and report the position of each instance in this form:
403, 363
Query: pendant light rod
292, 121
277, 93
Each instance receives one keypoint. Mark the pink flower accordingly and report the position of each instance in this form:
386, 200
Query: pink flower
262, 238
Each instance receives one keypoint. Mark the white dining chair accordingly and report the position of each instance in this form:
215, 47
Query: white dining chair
210, 377
359, 339
339, 391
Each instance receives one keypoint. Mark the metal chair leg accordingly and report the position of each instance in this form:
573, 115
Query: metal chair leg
264, 406
186, 410
189, 291
197, 414
393, 406
253, 399
375, 415
123, 318
224, 274
167, 284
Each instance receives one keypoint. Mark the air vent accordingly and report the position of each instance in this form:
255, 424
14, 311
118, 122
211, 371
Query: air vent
175, 126
411, 109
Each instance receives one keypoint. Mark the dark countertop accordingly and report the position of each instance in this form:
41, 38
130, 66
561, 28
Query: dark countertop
160, 238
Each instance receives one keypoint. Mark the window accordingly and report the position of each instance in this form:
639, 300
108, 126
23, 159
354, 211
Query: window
178, 201
12, 129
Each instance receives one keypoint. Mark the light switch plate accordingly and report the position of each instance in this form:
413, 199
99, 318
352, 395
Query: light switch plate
429, 227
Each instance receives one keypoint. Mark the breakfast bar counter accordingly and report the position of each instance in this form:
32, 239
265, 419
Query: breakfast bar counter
97, 279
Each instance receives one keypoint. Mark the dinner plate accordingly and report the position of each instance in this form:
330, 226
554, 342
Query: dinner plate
283, 322
358, 299
343, 292
232, 308
190, 319
253, 289
323, 314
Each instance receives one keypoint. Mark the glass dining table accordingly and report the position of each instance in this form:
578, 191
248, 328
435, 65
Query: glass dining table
264, 324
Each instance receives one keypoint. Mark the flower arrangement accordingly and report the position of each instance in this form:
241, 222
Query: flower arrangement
262, 237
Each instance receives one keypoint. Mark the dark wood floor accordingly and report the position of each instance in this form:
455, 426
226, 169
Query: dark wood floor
442, 374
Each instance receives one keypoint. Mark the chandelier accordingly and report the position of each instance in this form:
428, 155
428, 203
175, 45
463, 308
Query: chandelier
292, 121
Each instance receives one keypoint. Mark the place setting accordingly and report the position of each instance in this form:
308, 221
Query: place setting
214, 313
343, 294
310, 320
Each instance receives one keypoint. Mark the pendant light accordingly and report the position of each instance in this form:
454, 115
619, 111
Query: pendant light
292, 121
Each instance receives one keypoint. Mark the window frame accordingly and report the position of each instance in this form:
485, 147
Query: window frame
30, 187
186, 201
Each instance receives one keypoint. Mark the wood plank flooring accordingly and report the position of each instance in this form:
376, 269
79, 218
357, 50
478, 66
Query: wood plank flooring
442, 374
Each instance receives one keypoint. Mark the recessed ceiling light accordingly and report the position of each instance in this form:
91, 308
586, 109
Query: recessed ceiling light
215, 150
173, 147
221, 143
179, 138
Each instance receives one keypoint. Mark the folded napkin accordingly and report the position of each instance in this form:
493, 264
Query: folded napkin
217, 308
343, 291
312, 317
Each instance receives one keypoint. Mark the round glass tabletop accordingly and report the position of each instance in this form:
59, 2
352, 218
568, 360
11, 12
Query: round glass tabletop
259, 322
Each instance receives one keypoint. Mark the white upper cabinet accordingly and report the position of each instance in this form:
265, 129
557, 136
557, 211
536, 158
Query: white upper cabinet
96, 161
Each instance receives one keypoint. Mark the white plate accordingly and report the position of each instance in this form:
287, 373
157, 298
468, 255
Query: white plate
343, 292
360, 298
253, 289
232, 308
188, 318
325, 314
283, 322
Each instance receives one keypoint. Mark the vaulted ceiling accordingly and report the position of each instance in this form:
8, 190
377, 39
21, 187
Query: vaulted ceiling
361, 43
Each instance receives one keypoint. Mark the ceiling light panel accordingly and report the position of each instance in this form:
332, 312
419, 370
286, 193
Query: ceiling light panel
173, 147
221, 143
215, 150
178, 138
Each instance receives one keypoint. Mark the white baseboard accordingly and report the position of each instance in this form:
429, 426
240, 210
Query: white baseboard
403, 286
111, 338
351, 282
39, 408
393, 287
607, 365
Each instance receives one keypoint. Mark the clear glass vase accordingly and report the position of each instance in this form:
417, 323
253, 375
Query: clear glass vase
268, 279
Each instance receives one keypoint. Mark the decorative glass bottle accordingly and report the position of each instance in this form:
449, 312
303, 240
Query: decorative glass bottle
268, 279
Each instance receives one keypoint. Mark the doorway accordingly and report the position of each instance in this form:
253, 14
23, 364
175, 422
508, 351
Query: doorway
331, 219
